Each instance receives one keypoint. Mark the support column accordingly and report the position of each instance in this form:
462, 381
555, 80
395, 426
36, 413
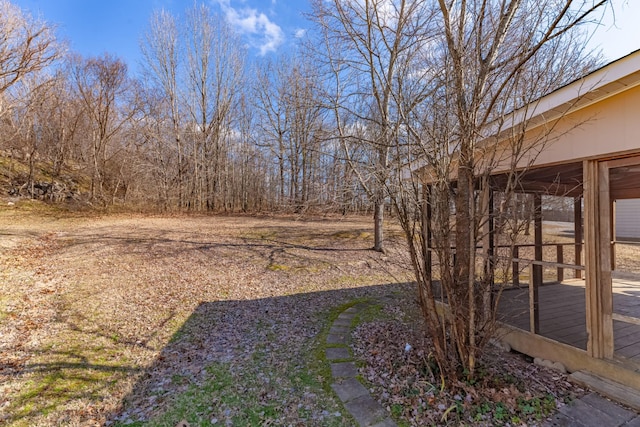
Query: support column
606, 262
577, 234
535, 270
612, 231
488, 231
597, 240
537, 208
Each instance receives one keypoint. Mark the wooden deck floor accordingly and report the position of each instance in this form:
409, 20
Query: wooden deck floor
562, 314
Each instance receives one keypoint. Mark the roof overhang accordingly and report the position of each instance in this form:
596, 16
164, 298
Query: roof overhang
613, 78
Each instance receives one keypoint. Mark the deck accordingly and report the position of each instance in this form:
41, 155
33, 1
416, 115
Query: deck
562, 313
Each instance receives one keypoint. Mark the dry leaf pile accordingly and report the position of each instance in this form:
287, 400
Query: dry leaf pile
398, 366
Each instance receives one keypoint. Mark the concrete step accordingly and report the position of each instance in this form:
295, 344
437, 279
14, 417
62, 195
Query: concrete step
615, 391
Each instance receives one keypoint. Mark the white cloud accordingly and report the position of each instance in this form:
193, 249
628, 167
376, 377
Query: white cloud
266, 35
300, 32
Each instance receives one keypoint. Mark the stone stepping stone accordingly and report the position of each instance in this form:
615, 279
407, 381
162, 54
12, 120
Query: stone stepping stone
336, 353
344, 370
349, 389
338, 338
342, 322
366, 411
354, 396
339, 330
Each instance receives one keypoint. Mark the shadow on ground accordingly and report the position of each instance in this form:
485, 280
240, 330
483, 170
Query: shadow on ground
247, 362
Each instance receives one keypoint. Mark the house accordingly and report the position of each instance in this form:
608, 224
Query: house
589, 318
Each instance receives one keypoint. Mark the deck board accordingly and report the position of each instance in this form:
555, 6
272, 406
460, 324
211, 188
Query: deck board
562, 313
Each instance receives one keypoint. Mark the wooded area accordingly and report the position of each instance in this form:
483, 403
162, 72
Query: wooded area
202, 128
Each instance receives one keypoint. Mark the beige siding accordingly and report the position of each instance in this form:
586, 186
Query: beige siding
609, 127
628, 219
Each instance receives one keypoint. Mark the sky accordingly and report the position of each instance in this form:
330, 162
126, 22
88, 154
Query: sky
93, 27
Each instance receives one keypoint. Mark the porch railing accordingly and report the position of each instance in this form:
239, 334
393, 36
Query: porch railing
559, 264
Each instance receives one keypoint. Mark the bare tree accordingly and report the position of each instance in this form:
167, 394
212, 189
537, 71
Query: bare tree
105, 90
26, 45
368, 45
43, 124
306, 133
61, 115
158, 155
30, 97
291, 120
250, 192
492, 59
162, 54
214, 72
274, 119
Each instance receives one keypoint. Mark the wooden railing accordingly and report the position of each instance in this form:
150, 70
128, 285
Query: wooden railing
558, 264
614, 243
535, 268
516, 260
535, 277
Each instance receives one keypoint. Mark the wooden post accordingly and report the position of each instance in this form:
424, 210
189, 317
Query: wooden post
515, 266
577, 227
597, 241
613, 234
591, 244
560, 260
534, 314
537, 208
604, 290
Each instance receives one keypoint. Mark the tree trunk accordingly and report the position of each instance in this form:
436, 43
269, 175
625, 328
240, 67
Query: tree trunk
378, 219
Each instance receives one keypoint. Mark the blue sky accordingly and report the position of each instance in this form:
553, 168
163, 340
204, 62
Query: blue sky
93, 27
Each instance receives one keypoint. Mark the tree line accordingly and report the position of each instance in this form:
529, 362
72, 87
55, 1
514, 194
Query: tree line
200, 128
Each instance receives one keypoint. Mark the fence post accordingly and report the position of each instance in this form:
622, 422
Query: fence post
577, 226
560, 260
515, 266
534, 315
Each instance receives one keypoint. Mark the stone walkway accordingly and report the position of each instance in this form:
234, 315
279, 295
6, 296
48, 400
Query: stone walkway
355, 397
594, 410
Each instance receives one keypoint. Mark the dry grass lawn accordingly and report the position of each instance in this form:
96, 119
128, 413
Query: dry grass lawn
115, 319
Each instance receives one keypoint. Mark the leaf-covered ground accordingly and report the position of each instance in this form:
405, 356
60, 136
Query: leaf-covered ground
140, 320
398, 366
210, 319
